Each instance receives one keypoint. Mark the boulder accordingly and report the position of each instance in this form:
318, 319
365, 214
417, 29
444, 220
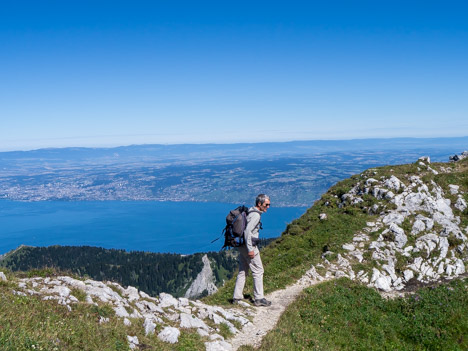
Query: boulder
3, 277
170, 335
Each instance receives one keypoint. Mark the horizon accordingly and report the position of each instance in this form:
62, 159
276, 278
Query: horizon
107, 74
237, 143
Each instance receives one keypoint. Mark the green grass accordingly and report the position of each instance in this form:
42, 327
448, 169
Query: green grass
28, 323
343, 315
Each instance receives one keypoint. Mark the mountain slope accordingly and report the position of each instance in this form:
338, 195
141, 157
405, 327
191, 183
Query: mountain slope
389, 230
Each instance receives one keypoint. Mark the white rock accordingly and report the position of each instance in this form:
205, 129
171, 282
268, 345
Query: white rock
393, 217
149, 326
127, 322
323, 216
170, 335
418, 226
408, 274
371, 181
453, 189
3, 277
202, 332
218, 345
460, 204
120, 311
188, 321
349, 247
425, 159
132, 341
383, 283
103, 320
167, 300
205, 281
393, 183
400, 236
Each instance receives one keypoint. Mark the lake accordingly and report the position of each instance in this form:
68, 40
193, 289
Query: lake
176, 227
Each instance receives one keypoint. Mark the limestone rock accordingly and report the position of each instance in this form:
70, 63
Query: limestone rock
149, 326
205, 281
3, 277
170, 335
218, 346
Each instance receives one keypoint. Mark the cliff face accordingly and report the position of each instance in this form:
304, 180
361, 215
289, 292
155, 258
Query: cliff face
204, 283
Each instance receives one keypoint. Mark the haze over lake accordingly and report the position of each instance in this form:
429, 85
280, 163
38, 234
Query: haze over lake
177, 227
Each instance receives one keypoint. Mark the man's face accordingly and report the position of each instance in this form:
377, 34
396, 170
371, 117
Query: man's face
264, 207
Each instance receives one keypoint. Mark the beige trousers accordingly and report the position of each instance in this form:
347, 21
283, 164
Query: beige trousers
256, 266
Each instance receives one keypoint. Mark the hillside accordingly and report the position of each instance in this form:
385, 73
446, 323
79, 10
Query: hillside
382, 257
151, 273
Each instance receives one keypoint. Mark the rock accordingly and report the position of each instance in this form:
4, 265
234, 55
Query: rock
400, 237
383, 283
218, 345
3, 277
120, 311
149, 326
425, 159
454, 189
103, 320
132, 342
393, 217
418, 226
188, 321
323, 216
408, 274
205, 281
460, 204
167, 300
170, 335
349, 247
127, 322
393, 183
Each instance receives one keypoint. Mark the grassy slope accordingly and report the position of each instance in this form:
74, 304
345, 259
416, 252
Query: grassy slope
29, 323
347, 316
344, 315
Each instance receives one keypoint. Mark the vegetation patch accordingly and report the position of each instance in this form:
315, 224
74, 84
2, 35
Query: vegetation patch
344, 315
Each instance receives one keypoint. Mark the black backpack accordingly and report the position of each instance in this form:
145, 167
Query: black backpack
236, 221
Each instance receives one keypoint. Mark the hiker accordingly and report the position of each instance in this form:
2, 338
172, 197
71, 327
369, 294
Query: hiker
249, 255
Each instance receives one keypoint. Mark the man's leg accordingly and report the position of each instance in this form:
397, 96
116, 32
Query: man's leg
256, 267
243, 271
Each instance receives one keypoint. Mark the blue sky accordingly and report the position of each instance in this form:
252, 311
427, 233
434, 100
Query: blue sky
98, 73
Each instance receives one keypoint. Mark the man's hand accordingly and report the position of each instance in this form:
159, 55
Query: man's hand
252, 254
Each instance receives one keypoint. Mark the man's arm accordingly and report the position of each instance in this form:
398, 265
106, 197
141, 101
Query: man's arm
252, 221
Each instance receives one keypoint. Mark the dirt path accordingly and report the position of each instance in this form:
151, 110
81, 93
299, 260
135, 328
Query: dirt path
265, 318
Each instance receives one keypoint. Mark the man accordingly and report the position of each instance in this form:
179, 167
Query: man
249, 255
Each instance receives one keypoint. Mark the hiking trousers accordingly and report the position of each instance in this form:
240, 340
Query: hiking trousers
256, 266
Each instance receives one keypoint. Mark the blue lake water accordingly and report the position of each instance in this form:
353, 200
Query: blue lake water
177, 227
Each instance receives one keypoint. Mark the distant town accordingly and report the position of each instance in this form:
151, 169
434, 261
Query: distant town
291, 178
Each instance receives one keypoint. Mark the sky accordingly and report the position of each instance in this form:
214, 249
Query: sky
109, 73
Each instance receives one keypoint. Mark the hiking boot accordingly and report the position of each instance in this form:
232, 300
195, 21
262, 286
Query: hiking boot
236, 301
262, 302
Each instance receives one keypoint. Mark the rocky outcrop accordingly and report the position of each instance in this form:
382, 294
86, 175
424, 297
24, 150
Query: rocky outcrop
165, 312
460, 157
204, 283
416, 238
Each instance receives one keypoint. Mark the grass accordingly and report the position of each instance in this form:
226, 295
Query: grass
28, 323
343, 315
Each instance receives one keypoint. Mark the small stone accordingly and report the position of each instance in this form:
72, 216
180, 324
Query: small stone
323, 216
127, 322
3, 277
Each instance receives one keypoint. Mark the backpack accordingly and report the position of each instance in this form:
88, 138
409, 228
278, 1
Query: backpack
236, 221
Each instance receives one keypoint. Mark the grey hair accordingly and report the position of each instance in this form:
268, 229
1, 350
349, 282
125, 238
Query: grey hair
261, 198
